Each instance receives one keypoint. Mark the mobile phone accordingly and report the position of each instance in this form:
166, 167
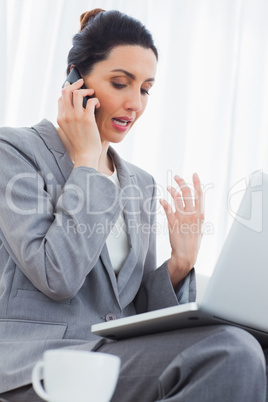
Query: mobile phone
74, 76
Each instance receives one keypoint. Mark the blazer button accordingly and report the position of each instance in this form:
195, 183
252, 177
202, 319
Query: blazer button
110, 316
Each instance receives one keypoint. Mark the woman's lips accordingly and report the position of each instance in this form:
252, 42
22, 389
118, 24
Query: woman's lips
121, 123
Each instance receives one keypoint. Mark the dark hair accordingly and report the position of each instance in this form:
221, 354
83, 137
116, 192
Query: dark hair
100, 32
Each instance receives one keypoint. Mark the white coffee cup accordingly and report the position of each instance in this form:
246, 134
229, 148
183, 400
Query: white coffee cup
76, 376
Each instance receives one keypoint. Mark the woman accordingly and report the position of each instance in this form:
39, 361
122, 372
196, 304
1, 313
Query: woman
75, 244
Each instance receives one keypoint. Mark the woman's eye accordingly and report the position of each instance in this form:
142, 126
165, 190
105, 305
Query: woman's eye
118, 86
144, 91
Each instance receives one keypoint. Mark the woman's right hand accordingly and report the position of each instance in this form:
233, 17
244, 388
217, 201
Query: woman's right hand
79, 125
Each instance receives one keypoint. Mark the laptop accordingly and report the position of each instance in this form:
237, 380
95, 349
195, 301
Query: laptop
237, 292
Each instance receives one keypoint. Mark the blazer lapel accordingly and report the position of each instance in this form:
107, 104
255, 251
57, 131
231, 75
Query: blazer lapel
105, 258
131, 191
51, 138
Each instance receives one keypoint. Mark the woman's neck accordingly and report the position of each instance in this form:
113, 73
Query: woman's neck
106, 165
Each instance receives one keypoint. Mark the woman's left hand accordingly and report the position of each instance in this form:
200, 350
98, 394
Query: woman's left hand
185, 227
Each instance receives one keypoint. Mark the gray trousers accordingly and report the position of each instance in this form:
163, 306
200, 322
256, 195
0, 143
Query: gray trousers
206, 364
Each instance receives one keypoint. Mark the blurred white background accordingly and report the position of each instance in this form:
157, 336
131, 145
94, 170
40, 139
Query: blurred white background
207, 111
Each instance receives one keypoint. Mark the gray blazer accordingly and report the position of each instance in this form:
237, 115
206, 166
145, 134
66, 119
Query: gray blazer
56, 278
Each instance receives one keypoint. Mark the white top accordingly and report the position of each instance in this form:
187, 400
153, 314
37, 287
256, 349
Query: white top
117, 240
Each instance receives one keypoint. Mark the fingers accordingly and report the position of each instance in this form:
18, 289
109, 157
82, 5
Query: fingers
78, 96
92, 104
186, 194
186, 201
199, 197
67, 94
168, 211
182, 197
72, 97
173, 222
177, 198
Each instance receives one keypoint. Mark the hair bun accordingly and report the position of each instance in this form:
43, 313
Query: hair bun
89, 15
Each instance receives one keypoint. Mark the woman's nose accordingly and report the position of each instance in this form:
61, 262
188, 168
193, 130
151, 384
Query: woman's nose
134, 101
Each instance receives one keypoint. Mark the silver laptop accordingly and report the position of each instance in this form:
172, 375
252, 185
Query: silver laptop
237, 292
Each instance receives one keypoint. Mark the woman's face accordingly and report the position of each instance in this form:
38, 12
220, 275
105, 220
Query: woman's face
122, 83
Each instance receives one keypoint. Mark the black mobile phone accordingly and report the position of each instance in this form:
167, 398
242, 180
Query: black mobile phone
74, 76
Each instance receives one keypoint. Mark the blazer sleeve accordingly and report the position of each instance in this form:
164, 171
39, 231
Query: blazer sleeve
156, 290
35, 229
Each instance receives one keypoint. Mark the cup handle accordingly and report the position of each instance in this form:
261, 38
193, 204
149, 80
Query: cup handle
36, 380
